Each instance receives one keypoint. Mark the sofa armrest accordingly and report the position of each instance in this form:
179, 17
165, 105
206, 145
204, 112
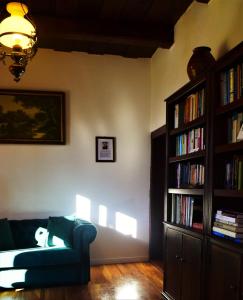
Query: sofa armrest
84, 233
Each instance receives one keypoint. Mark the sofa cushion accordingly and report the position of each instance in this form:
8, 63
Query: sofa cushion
6, 238
24, 232
38, 257
60, 231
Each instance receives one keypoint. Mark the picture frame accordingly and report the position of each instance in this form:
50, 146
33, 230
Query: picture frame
105, 149
32, 117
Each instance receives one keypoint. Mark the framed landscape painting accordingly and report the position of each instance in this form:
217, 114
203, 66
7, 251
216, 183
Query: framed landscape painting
32, 117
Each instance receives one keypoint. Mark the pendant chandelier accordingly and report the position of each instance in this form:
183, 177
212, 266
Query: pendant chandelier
17, 39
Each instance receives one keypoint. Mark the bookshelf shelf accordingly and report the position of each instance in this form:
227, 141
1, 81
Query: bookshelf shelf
229, 147
227, 193
199, 192
229, 107
227, 244
193, 155
188, 230
195, 123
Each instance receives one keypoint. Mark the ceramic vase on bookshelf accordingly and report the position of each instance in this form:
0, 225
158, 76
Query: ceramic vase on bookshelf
200, 62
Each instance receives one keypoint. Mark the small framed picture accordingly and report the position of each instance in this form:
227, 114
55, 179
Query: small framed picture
105, 149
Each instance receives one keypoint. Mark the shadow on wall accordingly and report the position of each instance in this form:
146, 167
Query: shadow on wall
114, 247
117, 239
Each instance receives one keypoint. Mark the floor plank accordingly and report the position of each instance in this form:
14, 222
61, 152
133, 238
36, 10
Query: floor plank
133, 281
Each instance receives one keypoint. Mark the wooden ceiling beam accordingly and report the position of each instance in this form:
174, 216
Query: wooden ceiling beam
203, 1
51, 29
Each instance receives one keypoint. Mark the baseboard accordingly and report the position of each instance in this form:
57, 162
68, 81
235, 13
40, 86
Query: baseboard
119, 260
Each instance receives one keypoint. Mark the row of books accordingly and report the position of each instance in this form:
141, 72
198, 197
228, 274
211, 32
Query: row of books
189, 175
234, 173
231, 84
190, 109
190, 142
182, 210
234, 124
229, 224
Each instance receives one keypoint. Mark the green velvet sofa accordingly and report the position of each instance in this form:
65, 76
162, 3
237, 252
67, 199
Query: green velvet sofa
29, 265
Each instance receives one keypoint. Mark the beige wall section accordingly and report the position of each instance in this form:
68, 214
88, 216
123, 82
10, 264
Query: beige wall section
106, 95
218, 25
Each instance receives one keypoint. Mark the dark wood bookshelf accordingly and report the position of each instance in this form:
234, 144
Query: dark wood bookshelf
186, 90
191, 191
190, 125
228, 193
226, 243
185, 229
193, 155
221, 276
226, 255
229, 107
184, 205
229, 147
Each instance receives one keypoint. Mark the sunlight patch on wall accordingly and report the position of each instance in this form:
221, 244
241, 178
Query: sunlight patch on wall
126, 225
83, 208
123, 223
103, 215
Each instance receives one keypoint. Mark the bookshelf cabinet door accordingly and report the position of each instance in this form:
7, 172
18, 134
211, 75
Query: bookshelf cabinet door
224, 274
191, 268
173, 263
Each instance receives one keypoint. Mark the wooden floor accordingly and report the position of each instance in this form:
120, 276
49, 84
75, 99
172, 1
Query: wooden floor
135, 281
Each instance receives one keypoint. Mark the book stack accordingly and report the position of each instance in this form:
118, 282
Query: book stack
190, 109
229, 224
234, 124
231, 84
190, 142
234, 173
189, 175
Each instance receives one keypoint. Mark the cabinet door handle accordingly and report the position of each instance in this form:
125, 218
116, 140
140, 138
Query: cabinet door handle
177, 256
182, 259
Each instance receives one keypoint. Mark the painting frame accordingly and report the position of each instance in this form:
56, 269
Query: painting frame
105, 149
32, 117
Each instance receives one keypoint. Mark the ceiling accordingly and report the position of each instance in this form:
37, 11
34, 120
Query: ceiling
130, 28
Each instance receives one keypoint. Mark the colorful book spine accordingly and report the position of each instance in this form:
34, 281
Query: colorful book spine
190, 142
234, 173
238, 241
176, 116
182, 210
227, 232
190, 109
189, 175
234, 124
231, 84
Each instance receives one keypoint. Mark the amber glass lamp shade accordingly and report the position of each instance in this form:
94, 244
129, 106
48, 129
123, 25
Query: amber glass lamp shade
15, 30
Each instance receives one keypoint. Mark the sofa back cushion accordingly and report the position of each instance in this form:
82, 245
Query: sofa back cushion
24, 232
6, 237
60, 231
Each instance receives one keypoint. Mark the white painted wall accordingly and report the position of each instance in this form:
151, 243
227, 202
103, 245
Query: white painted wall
218, 25
106, 95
